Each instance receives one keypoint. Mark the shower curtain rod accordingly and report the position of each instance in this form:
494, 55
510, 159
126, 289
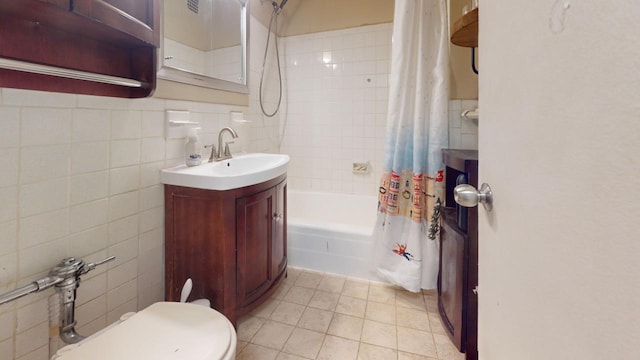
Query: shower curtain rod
68, 73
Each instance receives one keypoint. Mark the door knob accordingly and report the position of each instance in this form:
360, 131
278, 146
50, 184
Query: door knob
467, 196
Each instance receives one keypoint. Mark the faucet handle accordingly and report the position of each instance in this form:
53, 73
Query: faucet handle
227, 152
213, 152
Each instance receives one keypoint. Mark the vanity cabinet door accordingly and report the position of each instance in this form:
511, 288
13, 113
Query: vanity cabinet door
254, 245
452, 278
138, 18
279, 246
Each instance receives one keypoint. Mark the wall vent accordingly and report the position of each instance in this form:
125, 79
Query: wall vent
193, 5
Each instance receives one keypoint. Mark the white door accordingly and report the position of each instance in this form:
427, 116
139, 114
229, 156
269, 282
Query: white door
559, 140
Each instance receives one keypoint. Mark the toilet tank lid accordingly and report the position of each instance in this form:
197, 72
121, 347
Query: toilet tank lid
164, 330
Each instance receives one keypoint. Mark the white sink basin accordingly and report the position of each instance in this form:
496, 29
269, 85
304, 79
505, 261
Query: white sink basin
237, 172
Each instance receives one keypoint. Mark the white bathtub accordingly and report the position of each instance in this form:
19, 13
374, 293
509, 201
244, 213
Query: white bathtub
331, 232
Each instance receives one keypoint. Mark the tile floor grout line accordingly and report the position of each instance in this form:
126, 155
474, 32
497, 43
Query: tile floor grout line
317, 278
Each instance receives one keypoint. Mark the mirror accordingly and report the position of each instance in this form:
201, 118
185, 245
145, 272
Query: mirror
204, 43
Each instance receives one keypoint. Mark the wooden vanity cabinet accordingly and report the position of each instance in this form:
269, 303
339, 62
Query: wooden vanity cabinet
232, 244
458, 275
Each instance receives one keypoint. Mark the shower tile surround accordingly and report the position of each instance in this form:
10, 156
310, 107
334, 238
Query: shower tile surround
81, 174
336, 86
337, 92
463, 133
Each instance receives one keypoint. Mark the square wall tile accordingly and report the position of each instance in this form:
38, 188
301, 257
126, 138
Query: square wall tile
123, 205
124, 153
90, 125
122, 294
43, 196
125, 124
43, 163
32, 339
31, 98
8, 320
8, 237
41, 258
42, 228
88, 187
125, 250
9, 161
152, 124
91, 310
89, 241
43, 126
88, 215
8, 276
151, 197
121, 273
91, 289
124, 179
9, 127
152, 149
9, 201
151, 219
123, 229
89, 157
32, 314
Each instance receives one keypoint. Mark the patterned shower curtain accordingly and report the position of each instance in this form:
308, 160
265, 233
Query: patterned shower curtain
412, 187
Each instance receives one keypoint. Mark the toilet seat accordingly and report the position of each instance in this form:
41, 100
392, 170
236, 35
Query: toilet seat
164, 330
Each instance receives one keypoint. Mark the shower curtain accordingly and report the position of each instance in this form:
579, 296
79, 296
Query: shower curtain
412, 187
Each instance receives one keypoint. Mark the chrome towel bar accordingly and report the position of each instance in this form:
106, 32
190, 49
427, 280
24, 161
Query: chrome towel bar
68, 73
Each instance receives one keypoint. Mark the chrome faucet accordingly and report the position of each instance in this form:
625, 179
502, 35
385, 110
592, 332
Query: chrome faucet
220, 154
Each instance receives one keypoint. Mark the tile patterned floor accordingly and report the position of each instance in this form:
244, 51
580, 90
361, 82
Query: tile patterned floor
321, 316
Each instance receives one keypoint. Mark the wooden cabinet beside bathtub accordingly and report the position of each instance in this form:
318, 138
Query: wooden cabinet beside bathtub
232, 244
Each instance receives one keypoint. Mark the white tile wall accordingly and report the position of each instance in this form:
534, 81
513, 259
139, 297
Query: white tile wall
80, 177
463, 133
262, 131
337, 94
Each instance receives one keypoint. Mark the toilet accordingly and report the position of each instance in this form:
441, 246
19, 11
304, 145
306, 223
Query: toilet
164, 330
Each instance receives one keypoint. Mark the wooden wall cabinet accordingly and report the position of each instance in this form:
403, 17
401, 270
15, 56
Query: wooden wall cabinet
458, 275
232, 244
109, 37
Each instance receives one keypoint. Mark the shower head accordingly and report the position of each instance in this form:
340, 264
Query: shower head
277, 8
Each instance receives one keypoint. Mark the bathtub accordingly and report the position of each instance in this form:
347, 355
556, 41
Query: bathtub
331, 232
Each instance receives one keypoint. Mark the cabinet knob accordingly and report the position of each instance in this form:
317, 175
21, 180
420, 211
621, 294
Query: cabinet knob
467, 196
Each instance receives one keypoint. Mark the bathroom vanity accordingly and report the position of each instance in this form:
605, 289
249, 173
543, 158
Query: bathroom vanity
231, 243
458, 275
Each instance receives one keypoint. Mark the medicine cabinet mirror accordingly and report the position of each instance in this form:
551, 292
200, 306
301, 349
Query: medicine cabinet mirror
204, 43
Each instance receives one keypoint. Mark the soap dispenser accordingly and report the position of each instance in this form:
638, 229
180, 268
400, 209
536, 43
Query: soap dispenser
192, 148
